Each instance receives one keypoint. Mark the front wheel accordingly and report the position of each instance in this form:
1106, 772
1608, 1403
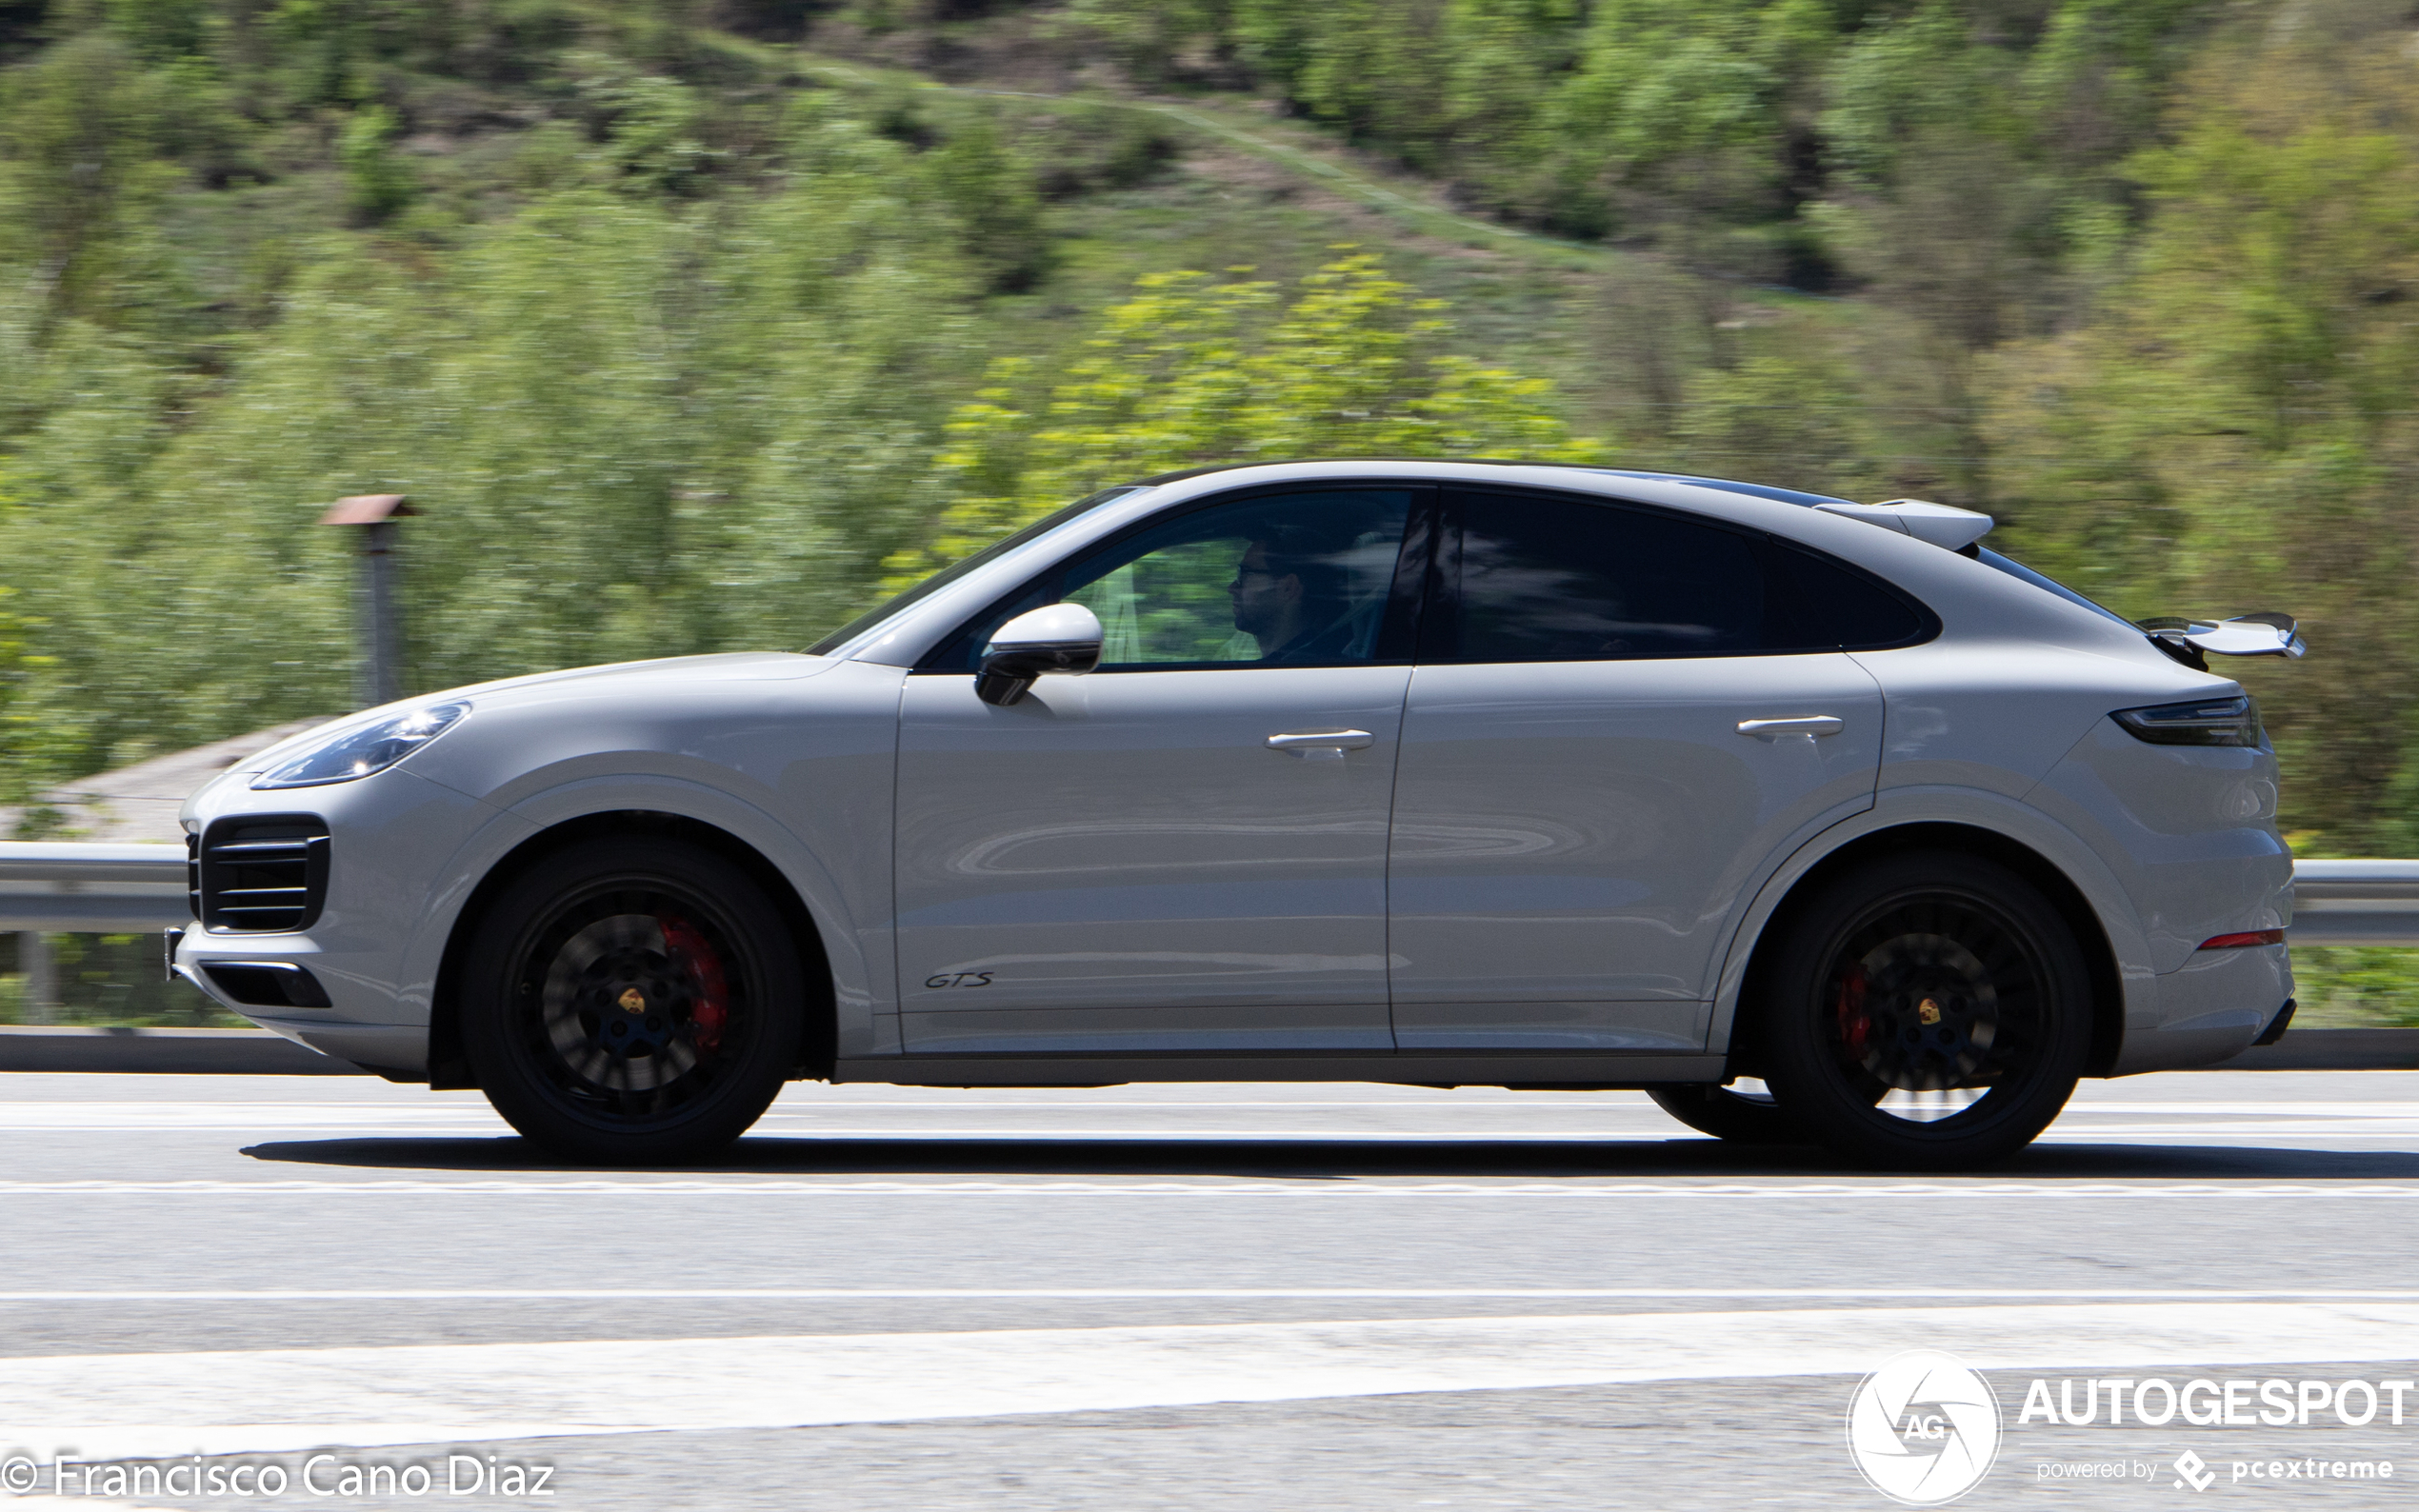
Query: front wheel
631, 1000
1926, 1011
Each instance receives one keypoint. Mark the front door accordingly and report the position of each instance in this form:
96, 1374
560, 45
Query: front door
1124, 862
1621, 716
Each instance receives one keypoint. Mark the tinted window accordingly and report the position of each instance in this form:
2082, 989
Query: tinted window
1827, 605
1544, 579
1292, 579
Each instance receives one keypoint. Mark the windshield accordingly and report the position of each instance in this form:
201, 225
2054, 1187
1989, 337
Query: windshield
2017, 569
956, 571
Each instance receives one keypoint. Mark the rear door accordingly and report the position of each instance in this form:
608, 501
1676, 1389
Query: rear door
1620, 719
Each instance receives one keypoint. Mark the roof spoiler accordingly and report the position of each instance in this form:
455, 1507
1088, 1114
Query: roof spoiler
1943, 524
2193, 642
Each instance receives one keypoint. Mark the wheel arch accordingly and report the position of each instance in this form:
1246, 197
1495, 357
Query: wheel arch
448, 1069
2090, 932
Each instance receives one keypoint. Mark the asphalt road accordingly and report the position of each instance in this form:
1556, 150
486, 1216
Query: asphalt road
1217, 1296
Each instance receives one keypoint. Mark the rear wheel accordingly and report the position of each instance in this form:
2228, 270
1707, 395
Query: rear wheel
1743, 1113
1928, 1011
633, 1000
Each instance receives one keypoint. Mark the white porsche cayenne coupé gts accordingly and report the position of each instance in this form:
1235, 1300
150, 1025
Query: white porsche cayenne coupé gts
1812, 818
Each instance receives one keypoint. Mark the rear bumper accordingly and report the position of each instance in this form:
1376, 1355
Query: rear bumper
2210, 1009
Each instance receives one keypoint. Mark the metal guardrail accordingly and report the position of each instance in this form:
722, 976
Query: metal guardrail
2355, 903
80, 887
73, 887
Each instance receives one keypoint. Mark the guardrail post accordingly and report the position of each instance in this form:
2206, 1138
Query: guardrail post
41, 976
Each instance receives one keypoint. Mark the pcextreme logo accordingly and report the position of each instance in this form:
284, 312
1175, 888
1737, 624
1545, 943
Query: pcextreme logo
1924, 1429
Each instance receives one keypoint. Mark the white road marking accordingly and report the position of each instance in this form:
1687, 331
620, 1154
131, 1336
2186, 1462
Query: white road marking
1345, 1188
1967, 1294
128, 1405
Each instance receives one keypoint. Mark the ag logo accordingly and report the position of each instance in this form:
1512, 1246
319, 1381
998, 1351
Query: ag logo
1923, 1428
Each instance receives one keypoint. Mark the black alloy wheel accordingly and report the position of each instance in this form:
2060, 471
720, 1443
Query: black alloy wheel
633, 1000
1742, 1113
1926, 1011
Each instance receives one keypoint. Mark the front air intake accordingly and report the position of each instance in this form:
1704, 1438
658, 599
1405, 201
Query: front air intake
262, 873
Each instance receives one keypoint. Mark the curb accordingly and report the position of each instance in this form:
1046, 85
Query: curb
188, 1052
2330, 1050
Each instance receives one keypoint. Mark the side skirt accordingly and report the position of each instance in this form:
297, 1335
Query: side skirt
1574, 1071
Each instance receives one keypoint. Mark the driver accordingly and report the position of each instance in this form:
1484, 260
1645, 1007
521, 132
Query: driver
1290, 597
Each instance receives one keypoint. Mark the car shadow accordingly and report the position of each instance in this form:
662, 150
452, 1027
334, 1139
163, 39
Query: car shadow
1333, 1160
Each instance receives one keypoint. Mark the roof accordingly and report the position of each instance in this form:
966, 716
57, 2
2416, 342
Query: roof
1760, 491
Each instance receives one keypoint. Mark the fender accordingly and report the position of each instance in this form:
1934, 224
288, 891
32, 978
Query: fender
1895, 807
863, 970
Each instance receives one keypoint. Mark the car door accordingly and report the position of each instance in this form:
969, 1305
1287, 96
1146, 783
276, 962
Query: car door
1621, 718
1184, 850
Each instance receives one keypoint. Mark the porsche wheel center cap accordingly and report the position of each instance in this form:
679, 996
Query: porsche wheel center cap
631, 1002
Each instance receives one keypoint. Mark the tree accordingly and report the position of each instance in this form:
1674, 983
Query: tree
2232, 432
1193, 371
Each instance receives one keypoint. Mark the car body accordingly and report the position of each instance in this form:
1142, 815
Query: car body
1550, 871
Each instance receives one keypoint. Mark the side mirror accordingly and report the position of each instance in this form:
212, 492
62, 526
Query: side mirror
1056, 638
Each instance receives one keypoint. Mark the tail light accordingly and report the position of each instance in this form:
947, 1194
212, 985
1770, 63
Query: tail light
2201, 722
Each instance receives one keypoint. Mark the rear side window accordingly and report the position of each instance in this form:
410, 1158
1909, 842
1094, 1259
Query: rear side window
1540, 578
1824, 605
1546, 579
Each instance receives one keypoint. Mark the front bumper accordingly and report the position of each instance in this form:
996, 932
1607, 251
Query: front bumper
394, 840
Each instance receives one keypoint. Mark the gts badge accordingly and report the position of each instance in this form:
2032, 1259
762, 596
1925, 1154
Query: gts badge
960, 979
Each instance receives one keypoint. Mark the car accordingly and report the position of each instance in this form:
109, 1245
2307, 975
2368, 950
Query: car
1814, 818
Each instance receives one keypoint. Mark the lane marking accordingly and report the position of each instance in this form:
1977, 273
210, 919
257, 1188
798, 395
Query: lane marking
1311, 1188
121, 1405
1965, 1294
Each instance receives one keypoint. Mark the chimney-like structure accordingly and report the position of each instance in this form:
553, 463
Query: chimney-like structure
377, 610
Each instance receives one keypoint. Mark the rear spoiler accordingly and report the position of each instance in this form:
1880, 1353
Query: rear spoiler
2193, 642
1943, 524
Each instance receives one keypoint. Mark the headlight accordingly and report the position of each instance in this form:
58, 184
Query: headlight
367, 748
2201, 722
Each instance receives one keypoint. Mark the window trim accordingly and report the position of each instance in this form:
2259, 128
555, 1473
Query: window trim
1404, 596
1440, 623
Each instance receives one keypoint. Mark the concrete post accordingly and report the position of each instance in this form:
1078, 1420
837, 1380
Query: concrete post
41, 977
377, 608
378, 678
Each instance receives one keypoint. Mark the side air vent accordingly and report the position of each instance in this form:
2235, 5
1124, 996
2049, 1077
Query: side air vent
262, 873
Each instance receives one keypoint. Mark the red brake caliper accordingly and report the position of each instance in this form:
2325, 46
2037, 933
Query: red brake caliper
710, 1005
1853, 1023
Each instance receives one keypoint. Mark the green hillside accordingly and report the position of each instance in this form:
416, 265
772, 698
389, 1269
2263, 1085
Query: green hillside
688, 325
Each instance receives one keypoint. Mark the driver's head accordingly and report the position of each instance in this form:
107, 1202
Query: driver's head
1285, 582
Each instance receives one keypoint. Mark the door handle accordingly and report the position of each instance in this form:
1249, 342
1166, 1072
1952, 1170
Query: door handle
1323, 745
1810, 725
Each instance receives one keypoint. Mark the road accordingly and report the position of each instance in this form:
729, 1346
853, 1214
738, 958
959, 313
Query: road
1199, 1296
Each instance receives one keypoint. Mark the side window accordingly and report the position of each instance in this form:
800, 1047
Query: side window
1831, 606
1294, 578
1546, 579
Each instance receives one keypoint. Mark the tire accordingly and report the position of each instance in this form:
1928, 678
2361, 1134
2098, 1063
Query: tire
633, 1000
1926, 1011
1727, 1113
